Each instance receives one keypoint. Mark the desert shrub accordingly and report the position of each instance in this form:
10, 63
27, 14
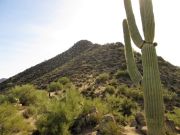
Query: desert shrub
128, 106
29, 112
121, 90
85, 120
102, 106
122, 105
69, 86
110, 128
42, 103
133, 93
3, 99
169, 96
175, 116
64, 80
121, 73
110, 89
102, 78
52, 123
114, 83
25, 93
61, 114
92, 112
67, 111
11, 98
120, 119
114, 103
10, 121
73, 102
54, 86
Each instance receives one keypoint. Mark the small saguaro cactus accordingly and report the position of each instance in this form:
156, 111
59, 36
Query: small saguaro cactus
151, 83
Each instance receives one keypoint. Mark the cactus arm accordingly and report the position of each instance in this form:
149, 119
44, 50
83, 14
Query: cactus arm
136, 37
153, 99
131, 65
147, 17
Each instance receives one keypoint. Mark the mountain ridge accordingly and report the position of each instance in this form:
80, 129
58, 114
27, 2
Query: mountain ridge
2, 80
41, 68
86, 59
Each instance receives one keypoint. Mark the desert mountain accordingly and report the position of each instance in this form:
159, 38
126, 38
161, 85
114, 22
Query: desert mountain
85, 60
83, 87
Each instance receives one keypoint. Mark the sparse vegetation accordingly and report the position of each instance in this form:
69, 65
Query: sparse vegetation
102, 78
175, 116
64, 80
25, 94
122, 73
134, 93
54, 86
11, 122
110, 89
111, 128
169, 96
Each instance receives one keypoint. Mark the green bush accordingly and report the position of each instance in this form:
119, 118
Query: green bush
102, 78
175, 116
11, 122
54, 86
85, 121
128, 106
114, 103
121, 73
110, 128
29, 112
64, 112
52, 123
133, 93
169, 96
113, 82
61, 114
64, 80
25, 93
120, 119
92, 112
121, 105
102, 106
110, 89
121, 90
12, 98
3, 99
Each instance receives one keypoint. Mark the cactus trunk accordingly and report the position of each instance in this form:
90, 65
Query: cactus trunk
153, 99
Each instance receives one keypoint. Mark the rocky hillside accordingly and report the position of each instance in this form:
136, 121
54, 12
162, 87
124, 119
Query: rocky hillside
39, 70
86, 91
85, 60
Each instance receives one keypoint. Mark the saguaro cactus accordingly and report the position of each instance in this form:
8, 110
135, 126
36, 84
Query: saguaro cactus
151, 83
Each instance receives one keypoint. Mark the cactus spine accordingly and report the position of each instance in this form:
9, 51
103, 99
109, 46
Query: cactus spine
151, 83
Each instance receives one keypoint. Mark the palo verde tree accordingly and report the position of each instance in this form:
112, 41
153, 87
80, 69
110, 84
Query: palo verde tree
151, 83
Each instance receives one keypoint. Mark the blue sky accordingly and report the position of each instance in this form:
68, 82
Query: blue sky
32, 31
20, 26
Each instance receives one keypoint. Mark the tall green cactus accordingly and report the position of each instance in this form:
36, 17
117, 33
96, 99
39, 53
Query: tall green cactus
151, 83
